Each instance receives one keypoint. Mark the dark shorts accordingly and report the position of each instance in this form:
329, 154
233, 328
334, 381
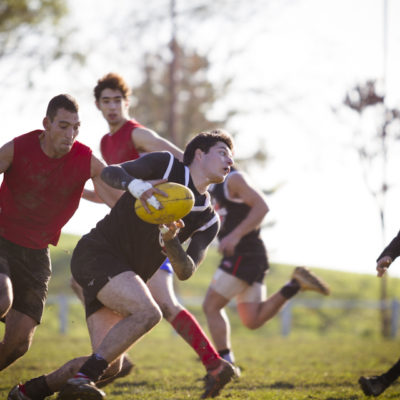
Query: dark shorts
249, 267
29, 271
90, 267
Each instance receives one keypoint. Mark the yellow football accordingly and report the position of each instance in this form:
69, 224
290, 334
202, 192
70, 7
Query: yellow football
179, 202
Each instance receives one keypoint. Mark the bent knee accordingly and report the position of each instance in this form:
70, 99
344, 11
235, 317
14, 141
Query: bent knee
17, 350
6, 295
154, 316
209, 307
252, 323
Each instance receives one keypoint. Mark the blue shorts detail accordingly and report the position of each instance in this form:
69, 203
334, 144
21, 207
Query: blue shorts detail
166, 266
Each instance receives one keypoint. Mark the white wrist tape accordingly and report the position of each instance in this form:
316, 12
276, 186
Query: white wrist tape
137, 187
163, 229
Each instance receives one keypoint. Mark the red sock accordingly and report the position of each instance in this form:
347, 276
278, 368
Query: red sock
187, 326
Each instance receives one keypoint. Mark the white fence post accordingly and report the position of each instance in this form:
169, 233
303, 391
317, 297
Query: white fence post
394, 317
63, 313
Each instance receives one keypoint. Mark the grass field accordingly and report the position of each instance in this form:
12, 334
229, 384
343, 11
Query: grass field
326, 352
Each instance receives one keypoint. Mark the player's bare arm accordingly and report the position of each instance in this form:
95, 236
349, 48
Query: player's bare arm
6, 156
239, 189
106, 193
181, 262
146, 141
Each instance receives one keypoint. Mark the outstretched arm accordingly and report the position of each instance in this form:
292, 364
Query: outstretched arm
147, 141
239, 189
132, 176
388, 255
106, 193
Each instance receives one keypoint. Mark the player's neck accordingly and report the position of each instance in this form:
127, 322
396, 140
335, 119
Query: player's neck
117, 126
200, 181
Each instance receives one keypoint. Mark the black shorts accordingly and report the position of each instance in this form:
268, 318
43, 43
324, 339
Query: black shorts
92, 266
249, 267
29, 271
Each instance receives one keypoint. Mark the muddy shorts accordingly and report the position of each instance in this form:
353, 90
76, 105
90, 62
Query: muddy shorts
29, 271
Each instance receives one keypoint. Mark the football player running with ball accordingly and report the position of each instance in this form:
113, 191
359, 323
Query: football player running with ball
126, 140
115, 259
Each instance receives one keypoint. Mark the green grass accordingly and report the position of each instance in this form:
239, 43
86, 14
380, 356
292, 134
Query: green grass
326, 352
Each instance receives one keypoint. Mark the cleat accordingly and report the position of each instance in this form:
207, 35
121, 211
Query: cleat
238, 372
308, 281
215, 380
16, 394
374, 385
80, 389
127, 366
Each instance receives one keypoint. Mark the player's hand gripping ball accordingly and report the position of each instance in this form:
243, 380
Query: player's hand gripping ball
179, 203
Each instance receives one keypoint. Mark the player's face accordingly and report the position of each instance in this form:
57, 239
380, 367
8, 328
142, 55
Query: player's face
217, 162
60, 133
113, 106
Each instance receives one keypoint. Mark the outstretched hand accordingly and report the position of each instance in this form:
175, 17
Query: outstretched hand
382, 265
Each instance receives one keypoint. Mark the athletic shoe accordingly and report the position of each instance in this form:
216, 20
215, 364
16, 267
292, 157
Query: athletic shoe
217, 379
374, 385
16, 394
309, 281
127, 366
80, 389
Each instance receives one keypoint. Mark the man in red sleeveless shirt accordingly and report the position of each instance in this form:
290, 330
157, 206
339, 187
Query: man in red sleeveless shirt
44, 175
126, 140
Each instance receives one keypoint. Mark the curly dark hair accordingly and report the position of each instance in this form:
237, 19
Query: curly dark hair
204, 141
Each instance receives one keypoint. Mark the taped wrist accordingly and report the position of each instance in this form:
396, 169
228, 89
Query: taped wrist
137, 187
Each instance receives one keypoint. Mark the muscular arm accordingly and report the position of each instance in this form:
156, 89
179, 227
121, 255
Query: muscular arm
6, 156
106, 193
186, 263
147, 141
149, 167
240, 189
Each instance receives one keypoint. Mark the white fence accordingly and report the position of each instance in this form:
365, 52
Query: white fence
63, 302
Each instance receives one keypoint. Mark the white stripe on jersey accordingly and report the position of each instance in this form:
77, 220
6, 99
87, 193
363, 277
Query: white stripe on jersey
170, 164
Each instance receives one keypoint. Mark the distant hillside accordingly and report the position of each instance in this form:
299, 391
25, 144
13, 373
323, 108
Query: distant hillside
344, 285
352, 307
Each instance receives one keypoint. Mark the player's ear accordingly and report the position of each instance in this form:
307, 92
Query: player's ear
46, 123
198, 154
97, 104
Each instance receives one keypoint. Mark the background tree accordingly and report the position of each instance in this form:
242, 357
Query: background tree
373, 150
195, 97
32, 37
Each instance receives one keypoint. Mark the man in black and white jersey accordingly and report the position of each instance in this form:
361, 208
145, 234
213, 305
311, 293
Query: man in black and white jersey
115, 259
244, 263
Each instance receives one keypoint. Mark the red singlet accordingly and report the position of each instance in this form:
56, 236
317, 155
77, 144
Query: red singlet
40, 194
118, 147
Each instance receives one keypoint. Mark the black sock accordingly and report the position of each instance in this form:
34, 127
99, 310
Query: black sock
223, 352
393, 373
290, 289
37, 388
94, 367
